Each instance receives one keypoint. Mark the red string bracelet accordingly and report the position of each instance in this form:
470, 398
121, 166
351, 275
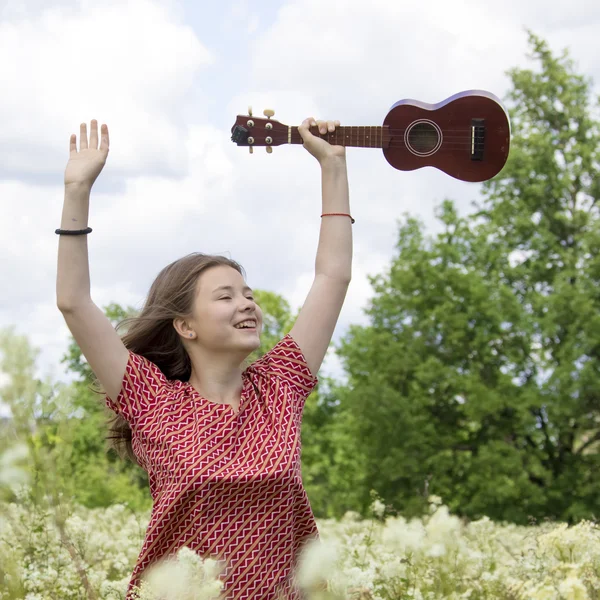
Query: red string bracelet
338, 215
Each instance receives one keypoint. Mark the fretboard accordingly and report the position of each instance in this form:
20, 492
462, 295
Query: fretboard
359, 136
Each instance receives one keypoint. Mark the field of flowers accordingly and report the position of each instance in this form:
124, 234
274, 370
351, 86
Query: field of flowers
383, 558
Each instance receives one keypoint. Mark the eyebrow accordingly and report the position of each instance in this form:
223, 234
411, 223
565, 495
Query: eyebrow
229, 288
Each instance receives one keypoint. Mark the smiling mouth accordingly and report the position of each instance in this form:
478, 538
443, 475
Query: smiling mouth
251, 326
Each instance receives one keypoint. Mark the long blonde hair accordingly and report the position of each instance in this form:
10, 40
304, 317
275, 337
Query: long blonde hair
152, 335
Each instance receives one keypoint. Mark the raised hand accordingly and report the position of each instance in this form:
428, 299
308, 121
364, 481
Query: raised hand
319, 148
85, 165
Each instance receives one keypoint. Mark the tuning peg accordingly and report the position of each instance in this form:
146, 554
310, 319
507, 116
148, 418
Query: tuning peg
268, 113
269, 149
251, 149
249, 111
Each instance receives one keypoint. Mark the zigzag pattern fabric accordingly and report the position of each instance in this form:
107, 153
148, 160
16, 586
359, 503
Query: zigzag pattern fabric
226, 484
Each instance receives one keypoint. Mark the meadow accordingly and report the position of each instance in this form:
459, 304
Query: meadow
438, 556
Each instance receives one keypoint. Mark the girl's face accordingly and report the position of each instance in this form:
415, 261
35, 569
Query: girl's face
223, 303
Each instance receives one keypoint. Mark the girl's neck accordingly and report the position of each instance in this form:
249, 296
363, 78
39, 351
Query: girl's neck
217, 378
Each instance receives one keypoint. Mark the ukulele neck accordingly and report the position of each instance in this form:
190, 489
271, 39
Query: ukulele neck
358, 136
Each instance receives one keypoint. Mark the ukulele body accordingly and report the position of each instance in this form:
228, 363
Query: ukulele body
466, 136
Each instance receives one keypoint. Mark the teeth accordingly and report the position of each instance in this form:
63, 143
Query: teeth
246, 324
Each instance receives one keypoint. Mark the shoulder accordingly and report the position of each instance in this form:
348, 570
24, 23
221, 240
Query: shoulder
286, 362
144, 386
142, 368
284, 351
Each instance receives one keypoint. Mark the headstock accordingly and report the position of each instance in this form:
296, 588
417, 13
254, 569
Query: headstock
252, 131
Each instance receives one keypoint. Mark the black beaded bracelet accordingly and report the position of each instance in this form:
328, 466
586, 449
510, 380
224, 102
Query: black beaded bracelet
74, 231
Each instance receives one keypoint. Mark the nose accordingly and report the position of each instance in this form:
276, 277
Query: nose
248, 305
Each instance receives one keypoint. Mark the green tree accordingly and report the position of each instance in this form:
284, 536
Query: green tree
97, 476
478, 376
277, 320
41, 417
333, 472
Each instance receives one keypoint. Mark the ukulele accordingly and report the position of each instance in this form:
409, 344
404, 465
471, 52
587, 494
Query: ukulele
467, 136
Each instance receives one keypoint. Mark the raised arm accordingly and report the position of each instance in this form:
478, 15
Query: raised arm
93, 332
316, 322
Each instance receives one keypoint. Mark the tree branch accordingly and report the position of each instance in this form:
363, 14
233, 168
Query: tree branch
591, 441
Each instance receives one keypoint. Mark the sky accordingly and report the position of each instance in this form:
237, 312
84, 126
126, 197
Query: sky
169, 78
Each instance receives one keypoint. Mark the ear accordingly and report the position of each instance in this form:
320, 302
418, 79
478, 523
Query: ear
183, 328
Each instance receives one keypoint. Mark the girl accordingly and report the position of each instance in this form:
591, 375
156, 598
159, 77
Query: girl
220, 443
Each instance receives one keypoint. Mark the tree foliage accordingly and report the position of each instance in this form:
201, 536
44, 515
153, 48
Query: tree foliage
478, 376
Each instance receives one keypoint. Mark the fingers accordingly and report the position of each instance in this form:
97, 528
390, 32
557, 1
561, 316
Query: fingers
323, 127
94, 134
104, 141
83, 140
309, 122
327, 126
304, 128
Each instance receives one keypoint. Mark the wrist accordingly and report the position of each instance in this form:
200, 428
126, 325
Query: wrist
77, 192
78, 186
333, 163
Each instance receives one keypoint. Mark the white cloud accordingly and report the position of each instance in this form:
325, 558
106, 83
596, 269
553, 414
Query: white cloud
241, 13
355, 58
127, 63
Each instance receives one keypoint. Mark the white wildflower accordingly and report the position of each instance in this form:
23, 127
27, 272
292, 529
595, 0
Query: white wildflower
317, 563
351, 516
403, 536
572, 588
188, 577
442, 526
378, 508
544, 592
436, 550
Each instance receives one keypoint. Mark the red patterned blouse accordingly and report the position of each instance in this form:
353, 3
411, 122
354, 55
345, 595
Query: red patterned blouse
225, 484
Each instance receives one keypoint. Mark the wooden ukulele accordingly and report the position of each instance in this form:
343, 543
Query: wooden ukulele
466, 136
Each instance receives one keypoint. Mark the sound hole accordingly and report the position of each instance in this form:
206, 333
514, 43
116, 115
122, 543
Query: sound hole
423, 138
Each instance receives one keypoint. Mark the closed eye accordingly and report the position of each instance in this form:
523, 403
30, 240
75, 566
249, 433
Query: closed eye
229, 298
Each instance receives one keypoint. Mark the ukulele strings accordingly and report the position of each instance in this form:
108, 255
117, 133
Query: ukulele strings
390, 134
465, 130
447, 142
326, 137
